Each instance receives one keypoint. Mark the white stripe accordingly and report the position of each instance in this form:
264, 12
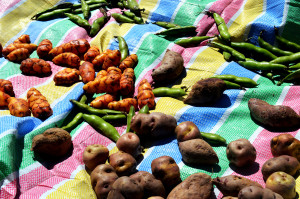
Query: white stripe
181, 111
283, 95
176, 10
201, 15
149, 151
12, 8
3, 64
221, 68
8, 132
152, 11
195, 55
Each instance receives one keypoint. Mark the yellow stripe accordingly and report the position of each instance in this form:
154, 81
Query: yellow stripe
148, 6
79, 187
204, 66
251, 11
18, 19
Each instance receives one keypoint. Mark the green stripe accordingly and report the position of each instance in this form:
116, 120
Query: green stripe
292, 22
189, 12
234, 126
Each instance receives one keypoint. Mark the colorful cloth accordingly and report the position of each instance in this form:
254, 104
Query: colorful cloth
21, 176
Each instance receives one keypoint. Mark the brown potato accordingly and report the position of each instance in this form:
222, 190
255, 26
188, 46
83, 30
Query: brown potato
155, 124
241, 152
94, 155
206, 91
285, 144
254, 192
198, 151
283, 184
278, 116
54, 142
123, 163
165, 169
229, 197
186, 131
102, 179
285, 163
130, 143
232, 184
155, 197
197, 185
151, 185
126, 188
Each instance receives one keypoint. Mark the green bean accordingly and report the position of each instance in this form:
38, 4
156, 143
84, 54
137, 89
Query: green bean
131, 15
192, 41
94, 111
101, 125
232, 85
123, 47
90, 3
85, 9
185, 30
120, 5
263, 54
227, 56
169, 92
285, 43
221, 25
263, 66
129, 118
267, 74
59, 6
126, 4
271, 48
134, 7
75, 122
213, 138
234, 53
53, 14
114, 118
292, 76
166, 25
294, 58
144, 109
295, 66
92, 7
242, 81
79, 21
121, 18
98, 24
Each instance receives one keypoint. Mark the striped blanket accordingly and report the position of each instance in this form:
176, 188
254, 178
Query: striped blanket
21, 176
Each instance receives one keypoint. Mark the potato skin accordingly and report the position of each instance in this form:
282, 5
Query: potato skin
130, 143
54, 142
285, 144
232, 184
94, 155
127, 188
285, 163
154, 125
277, 116
123, 163
206, 91
187, 130
196, 186
241, 152
151, 185
102, 179
254, 192
197, 151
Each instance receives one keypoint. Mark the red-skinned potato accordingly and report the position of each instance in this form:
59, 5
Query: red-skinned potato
254, 192
151, 185
94, 155
283, 184
130, 143
229, 197
102, 179
241, 152
123, 163
285, 163
165, 169
126, 188
186, 131
285, 144
198, 185
232, 184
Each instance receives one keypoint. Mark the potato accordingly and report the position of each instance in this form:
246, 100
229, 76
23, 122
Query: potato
285, 163
94, 155
54, 142
155, 197
254, 192
170, 69
285, 144
126, 188
232, 184
155, 125
276, 116
197, 151
123, 163
229, 197
151, 185
241, 152
283, 184
102, 179
206, 92
186, 131
130, 143
197, 185
165, 169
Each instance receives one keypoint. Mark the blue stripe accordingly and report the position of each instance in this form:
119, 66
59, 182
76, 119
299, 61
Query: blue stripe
163, 14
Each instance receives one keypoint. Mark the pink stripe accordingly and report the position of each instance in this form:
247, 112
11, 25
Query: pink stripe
7, 4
